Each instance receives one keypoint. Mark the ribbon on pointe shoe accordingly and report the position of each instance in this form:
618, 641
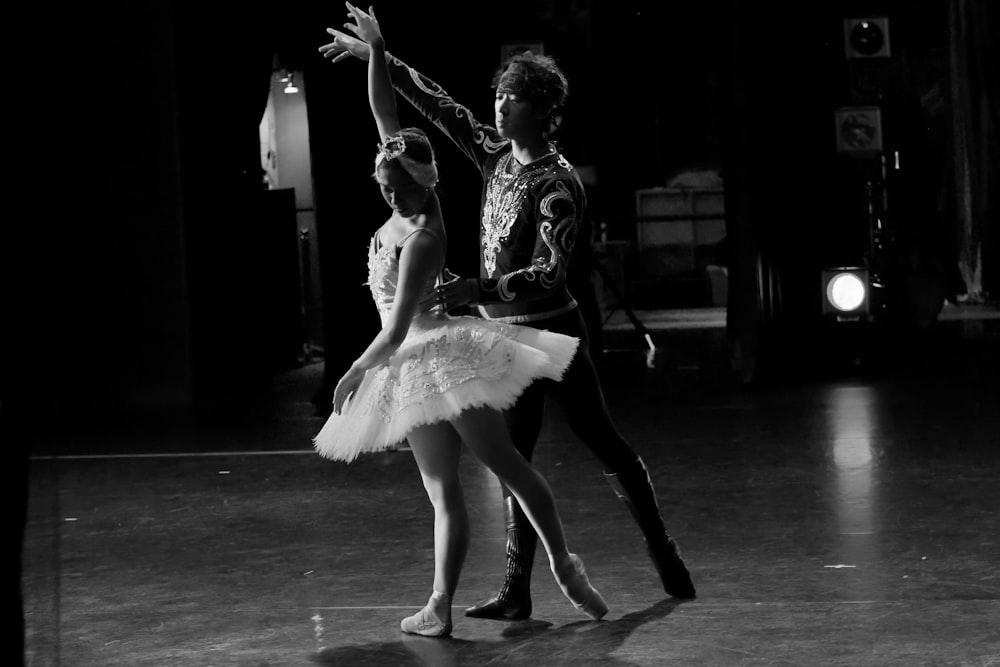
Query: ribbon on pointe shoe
426, 622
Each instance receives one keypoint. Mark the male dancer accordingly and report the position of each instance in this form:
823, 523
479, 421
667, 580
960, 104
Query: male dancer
531, 208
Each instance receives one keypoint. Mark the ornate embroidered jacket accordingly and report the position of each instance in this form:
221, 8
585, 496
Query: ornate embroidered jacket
530, 214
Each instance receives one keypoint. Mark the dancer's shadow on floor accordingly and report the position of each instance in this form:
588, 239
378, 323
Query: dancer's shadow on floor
532, 642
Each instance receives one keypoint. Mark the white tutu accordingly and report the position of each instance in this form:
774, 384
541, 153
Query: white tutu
446, 365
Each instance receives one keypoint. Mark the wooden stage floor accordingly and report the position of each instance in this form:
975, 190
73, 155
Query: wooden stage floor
848, 519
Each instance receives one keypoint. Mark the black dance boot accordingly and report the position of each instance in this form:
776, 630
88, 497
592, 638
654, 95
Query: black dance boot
513, 602
635, 489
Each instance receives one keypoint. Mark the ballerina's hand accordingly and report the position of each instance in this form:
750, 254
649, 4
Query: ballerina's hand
343, 46
365, 26
346, 388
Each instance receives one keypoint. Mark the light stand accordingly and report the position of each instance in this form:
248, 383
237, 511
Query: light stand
621, 302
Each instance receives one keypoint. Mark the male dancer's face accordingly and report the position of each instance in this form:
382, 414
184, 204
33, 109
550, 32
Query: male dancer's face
515, 117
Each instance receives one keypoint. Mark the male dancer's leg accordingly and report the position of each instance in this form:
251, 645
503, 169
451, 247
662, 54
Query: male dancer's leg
582, 401
513, 601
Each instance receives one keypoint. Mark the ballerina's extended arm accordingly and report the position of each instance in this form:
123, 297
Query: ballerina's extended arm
420, 255
381, 96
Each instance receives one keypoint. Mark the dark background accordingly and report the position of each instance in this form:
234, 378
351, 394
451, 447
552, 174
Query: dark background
140, 267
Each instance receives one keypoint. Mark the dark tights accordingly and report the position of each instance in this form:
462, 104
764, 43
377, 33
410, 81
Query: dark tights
581, 399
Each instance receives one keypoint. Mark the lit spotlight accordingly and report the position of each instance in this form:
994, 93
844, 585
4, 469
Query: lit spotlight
845, 293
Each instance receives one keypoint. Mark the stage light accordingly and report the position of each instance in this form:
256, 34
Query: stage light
845, 292
859, 131
867, 37
290, 87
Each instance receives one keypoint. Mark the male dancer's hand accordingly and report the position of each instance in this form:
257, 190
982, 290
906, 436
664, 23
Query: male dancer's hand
343, 45
457, 292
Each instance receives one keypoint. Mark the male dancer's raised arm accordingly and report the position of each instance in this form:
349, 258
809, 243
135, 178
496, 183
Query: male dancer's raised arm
477, 140
553, 205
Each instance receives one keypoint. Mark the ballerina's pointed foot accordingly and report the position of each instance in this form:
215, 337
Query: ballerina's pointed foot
434, 620
575, 585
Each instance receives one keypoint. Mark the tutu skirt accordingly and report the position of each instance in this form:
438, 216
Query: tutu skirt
445, 366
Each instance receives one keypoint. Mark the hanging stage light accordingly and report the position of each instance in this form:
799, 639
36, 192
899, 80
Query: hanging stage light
867, 37
846, 293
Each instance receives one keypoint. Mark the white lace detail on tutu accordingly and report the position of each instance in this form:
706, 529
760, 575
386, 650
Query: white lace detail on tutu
460, 354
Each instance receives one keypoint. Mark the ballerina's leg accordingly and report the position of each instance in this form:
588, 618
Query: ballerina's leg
437, 450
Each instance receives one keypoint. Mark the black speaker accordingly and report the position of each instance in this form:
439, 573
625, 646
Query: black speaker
867, 37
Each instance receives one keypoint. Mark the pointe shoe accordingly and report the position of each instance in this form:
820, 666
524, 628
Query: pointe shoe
426, 622
572, 579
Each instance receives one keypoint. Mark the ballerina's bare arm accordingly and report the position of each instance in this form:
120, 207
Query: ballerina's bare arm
381, 96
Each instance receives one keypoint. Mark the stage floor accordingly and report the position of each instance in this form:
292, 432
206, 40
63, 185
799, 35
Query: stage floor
851, 519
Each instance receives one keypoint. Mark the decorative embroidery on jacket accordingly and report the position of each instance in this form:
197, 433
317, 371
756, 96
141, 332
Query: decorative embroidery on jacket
547, 266
445, 102
543, 270
560, 237
560, 192
504, 196
503, 285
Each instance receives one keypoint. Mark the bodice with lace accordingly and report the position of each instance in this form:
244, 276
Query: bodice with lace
383, 275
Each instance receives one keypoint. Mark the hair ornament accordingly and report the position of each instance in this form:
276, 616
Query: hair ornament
391, 147
394, 148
